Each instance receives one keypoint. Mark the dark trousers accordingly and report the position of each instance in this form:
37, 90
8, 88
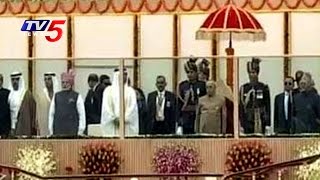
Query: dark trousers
160, 127
188, 119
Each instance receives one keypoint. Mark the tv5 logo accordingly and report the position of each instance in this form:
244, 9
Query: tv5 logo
41, 25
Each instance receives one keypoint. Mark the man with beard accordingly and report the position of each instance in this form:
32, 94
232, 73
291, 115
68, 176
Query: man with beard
67, 114
22, 107
189, 92
110, 112
254, 108
5, 119
44, 101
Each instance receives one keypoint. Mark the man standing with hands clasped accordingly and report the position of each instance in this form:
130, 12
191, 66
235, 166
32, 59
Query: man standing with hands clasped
67, 115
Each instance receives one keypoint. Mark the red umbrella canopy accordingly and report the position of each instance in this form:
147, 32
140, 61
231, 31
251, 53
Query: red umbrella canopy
231, 19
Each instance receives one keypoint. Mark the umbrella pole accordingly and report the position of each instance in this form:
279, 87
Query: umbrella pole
232, 82
230, 40
230, 54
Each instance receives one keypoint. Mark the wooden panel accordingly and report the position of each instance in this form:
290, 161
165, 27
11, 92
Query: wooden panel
189, 44
152, 47
137, 153
45, 49
13, 44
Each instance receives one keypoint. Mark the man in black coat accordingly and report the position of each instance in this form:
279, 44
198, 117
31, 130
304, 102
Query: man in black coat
93, 101
254, 107
189, 92
142, 110
283, 108
5, 119
162, 109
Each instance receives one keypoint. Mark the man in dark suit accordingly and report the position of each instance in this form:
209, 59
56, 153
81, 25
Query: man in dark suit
162, 109
5, 118
104, 83
93, 101
283, 108
105, 80
142, 110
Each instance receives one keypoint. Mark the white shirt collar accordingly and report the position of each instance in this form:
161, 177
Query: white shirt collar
287, 93
95, 87
162, 93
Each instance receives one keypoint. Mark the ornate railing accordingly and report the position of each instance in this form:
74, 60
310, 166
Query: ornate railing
13, 171
254, 172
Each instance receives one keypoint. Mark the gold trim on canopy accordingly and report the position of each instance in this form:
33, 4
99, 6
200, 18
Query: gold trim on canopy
18, 7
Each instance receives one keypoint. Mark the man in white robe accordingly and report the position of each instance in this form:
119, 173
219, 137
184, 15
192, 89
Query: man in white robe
110, 113
51, 86
22, 107
67, 116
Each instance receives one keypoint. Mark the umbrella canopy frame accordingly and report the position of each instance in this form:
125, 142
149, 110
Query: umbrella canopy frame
231, 22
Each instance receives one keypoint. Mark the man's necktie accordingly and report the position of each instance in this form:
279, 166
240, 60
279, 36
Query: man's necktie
160, 100
91, 94
289, 107
159, 105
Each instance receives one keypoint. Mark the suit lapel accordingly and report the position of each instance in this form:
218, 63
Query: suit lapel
165, 101
282, 105
154, 101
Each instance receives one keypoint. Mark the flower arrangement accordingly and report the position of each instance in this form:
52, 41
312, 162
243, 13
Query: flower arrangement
176, 158
99, 158
38, 159
311, 171
247, 155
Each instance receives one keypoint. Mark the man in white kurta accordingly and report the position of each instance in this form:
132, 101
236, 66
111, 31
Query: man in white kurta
67, 116
51, 86
110, 113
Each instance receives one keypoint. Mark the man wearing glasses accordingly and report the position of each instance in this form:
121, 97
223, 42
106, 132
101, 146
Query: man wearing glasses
283, 108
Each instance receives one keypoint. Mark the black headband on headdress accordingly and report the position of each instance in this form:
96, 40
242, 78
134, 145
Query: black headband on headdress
117, 70
191, 65
254, 65
49, 74
14, 75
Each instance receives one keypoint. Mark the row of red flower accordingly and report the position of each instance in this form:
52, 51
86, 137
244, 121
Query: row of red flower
151, 6
105, 158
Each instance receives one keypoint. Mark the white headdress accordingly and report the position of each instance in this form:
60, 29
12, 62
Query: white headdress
55, 84
21, 81
16, 96
116, 89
